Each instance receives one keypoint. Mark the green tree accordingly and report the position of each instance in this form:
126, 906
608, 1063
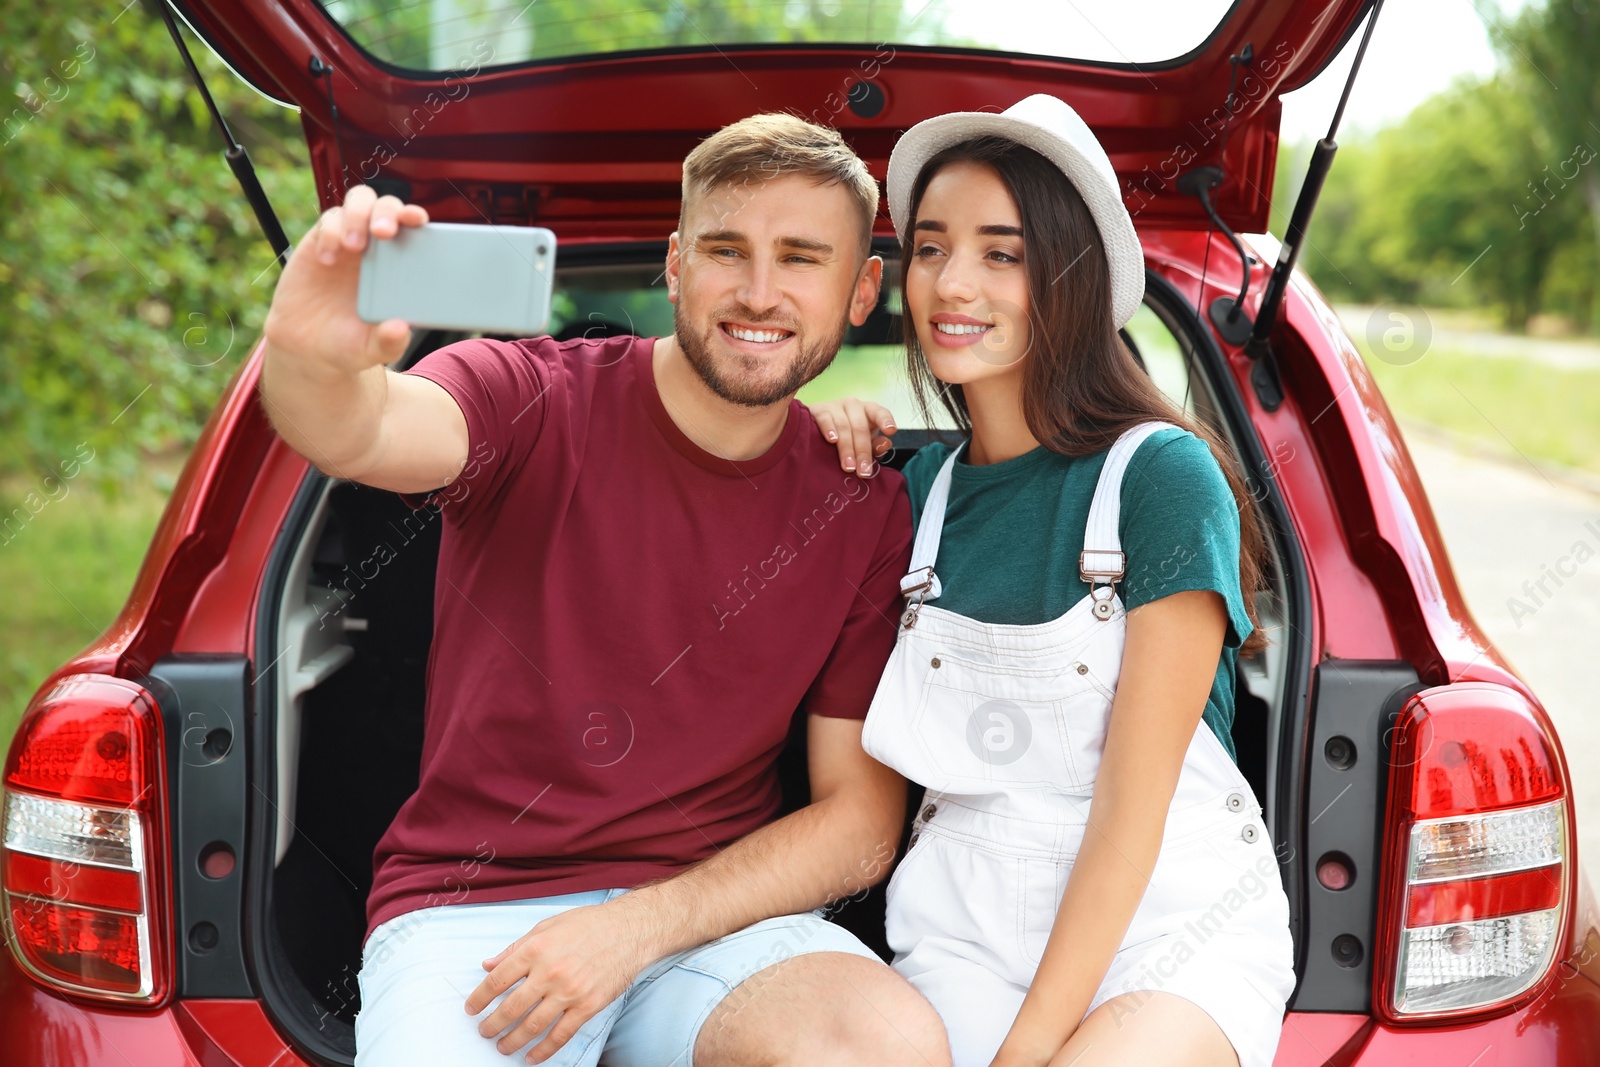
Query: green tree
1438, 207
1458, 169
1552, 54
133, 276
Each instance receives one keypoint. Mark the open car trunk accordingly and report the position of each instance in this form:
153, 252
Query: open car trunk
506, 124
339, 715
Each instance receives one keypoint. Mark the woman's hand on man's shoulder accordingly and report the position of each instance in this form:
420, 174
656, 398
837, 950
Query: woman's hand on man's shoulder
861, 429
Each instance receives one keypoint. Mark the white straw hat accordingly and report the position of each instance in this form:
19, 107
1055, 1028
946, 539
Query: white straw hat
1050, 127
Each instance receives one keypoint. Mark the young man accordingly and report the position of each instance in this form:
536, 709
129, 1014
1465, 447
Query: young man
649, 560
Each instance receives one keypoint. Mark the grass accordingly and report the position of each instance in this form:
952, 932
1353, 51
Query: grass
66, 571
1515, 406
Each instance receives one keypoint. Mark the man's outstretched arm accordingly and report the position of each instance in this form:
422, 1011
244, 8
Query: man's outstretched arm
577, 962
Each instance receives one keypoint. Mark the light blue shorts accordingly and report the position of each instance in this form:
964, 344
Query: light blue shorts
417, 970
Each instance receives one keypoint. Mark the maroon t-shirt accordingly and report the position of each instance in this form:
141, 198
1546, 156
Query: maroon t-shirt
624, 627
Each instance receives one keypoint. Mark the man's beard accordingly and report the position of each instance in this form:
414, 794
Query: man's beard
812, 361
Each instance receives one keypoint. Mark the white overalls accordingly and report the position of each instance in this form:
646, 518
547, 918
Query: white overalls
1004, 725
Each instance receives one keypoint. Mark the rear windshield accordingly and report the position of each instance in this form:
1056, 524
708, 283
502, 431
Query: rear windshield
871, 364
438, 36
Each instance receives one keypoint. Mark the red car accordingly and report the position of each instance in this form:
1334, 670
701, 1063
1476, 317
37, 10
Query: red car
191, 803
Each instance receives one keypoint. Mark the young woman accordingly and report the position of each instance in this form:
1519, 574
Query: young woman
1089, 880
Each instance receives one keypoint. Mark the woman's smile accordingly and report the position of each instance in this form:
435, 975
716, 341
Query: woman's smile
958, 331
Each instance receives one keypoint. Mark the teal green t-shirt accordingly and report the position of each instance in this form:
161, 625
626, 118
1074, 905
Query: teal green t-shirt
1013, 531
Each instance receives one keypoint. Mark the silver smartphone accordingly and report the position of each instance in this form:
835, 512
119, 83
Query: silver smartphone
462, 276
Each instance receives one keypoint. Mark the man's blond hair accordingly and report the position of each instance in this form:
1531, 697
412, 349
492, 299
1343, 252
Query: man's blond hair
770, 145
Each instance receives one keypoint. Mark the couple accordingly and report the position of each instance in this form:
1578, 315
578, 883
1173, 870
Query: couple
651, 558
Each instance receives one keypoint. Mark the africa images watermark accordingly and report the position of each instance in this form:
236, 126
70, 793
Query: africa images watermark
53, 488
1581, 154
809, 528
833, 103
56, 89
1252, 86
1538, 590
1256, 881
453, 89
410, 528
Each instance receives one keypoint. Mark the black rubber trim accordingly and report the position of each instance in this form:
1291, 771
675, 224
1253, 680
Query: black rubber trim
1346, 784
1285, 811
316, 1034
204, 700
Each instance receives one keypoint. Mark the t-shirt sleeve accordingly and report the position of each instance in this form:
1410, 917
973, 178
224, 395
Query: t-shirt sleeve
1179, 526
849, 678
503, 388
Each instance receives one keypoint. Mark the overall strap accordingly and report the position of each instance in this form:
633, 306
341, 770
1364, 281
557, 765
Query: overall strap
1102, 558
925, 549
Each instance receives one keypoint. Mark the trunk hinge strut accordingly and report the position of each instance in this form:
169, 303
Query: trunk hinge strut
1232, 322
1310, 189
238, 158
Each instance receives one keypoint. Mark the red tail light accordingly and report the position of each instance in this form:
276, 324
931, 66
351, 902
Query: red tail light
1476, 858
84, 858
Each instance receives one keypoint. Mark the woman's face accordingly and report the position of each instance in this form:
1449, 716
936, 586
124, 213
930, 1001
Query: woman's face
966, 285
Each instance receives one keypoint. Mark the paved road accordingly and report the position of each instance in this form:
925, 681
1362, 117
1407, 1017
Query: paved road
1508, 528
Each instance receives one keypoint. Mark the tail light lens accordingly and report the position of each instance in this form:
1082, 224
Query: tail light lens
82, 871
1476, 855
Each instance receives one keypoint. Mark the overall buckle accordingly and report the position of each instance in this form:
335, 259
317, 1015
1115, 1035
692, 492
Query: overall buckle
914, 586
908, 586
1089, 574
1103, 607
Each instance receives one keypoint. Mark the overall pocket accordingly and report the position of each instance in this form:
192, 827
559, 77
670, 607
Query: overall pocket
982, 726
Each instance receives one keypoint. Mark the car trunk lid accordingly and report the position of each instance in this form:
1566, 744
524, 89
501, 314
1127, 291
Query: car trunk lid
580, 120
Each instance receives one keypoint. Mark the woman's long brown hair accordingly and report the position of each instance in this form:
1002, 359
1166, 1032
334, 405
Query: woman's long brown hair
1081, 386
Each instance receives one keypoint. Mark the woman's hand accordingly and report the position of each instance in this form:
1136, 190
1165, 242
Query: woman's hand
852, 423
1028, 1047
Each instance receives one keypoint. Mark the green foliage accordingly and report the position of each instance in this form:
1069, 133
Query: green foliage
133, 276
1551, 53
1487, 194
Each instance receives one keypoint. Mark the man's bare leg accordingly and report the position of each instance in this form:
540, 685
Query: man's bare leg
822, 1009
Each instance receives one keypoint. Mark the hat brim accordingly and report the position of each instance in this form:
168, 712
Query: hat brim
1095, 183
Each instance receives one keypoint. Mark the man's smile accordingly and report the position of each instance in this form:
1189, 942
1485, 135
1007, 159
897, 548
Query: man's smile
760, 338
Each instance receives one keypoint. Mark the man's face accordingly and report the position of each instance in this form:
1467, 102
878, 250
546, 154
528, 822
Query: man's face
765, 277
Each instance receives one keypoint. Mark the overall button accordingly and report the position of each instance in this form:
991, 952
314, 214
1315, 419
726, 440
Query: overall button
1249, 833
1235, 801
927, 812
913, 842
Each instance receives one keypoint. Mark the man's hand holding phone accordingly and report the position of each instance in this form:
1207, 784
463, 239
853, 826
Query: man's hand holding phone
325, 381
313, 315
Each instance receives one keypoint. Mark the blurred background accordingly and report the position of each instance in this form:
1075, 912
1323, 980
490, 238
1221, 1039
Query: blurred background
1458, 235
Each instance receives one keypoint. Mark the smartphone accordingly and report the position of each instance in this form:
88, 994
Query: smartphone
464, 276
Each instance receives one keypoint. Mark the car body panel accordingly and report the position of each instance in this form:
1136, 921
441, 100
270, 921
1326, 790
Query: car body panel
566, 143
